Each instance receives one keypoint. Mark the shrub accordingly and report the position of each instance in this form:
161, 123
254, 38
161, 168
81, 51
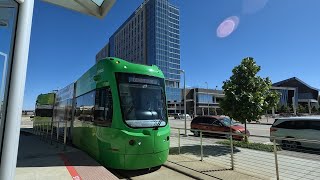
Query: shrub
249, 145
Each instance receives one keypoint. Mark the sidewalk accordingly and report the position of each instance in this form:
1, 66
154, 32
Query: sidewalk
39, 160
248, 162
204, 169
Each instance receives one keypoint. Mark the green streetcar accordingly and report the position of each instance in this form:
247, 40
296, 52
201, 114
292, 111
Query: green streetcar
43, 109
44, 105
117, 113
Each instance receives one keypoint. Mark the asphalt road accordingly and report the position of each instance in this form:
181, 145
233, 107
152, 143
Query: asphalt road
254, 129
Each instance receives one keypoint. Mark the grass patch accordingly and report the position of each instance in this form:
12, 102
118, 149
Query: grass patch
249, 145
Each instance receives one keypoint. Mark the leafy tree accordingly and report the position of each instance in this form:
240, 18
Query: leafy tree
289, 109
247, 96
282, 109
314, 109
301, 109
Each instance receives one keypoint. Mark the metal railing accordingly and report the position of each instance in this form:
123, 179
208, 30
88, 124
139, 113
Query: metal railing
55, 132
282, 158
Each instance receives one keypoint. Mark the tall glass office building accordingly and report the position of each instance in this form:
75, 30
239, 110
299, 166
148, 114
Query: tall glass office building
150, 36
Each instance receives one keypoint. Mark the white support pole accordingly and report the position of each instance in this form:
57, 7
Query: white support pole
208, 98
294, 105
309, 106
16, 91
184, 103
195, 102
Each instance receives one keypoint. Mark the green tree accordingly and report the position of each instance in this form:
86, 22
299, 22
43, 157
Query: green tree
247, 96
282, 109
289, 108
314, 109
301, 109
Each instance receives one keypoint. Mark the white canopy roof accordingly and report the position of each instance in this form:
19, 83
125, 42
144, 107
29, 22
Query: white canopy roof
97, 8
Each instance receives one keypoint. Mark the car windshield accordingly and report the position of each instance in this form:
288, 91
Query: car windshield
142, 104
226, 121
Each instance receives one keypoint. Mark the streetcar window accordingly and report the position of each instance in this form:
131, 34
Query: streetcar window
85, 107
103, 107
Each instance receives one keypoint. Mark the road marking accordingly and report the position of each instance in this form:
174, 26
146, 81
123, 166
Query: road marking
72, 171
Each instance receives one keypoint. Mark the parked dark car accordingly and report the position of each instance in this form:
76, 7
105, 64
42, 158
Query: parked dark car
216, 124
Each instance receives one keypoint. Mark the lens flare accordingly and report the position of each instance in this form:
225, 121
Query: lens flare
253, 6
228, 26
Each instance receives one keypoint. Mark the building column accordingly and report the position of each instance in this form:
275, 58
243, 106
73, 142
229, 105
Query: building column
309, 106
294, 105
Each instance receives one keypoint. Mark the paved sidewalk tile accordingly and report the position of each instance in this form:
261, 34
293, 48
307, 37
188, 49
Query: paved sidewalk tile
208, 169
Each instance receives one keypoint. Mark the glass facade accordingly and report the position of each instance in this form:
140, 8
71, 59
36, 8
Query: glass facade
174, 94
205, 98
164, 43
151, 36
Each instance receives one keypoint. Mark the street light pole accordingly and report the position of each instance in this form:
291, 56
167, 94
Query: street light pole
184, 102
208, 97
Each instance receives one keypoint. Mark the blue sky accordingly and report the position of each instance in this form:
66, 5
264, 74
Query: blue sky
282, 36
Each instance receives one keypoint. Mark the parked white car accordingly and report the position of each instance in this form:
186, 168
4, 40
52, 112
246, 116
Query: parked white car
306, 128
181, 116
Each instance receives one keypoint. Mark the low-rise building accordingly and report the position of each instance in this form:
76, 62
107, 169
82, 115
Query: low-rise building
295, 92
199, 101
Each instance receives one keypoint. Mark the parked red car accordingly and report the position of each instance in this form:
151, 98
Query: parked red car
217, 124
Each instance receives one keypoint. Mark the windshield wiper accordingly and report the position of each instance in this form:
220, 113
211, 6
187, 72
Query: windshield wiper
157, 124
129, 111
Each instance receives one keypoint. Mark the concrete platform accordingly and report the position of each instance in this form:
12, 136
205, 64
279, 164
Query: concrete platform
38, 160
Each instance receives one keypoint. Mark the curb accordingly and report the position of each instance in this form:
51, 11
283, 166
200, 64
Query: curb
188, 172
262, 123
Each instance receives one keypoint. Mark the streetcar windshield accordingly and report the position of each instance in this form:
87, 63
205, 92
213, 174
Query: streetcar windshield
142, 100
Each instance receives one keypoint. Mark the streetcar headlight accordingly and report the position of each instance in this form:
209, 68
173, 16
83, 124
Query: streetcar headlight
132, 142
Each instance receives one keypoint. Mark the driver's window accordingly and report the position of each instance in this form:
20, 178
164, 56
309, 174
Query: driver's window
216, 123
208, 121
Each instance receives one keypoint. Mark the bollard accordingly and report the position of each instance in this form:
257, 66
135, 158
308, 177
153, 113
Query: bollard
231, 146
51, 132
37, 129
179, 141
57, 145
47, 132
42, 132
201, 148
276, 158
33, 126
65, 135
40, 135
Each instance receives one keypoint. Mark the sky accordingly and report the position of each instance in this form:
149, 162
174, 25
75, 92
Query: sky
282, 36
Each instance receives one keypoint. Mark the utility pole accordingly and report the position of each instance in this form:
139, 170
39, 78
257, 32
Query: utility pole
208, 98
